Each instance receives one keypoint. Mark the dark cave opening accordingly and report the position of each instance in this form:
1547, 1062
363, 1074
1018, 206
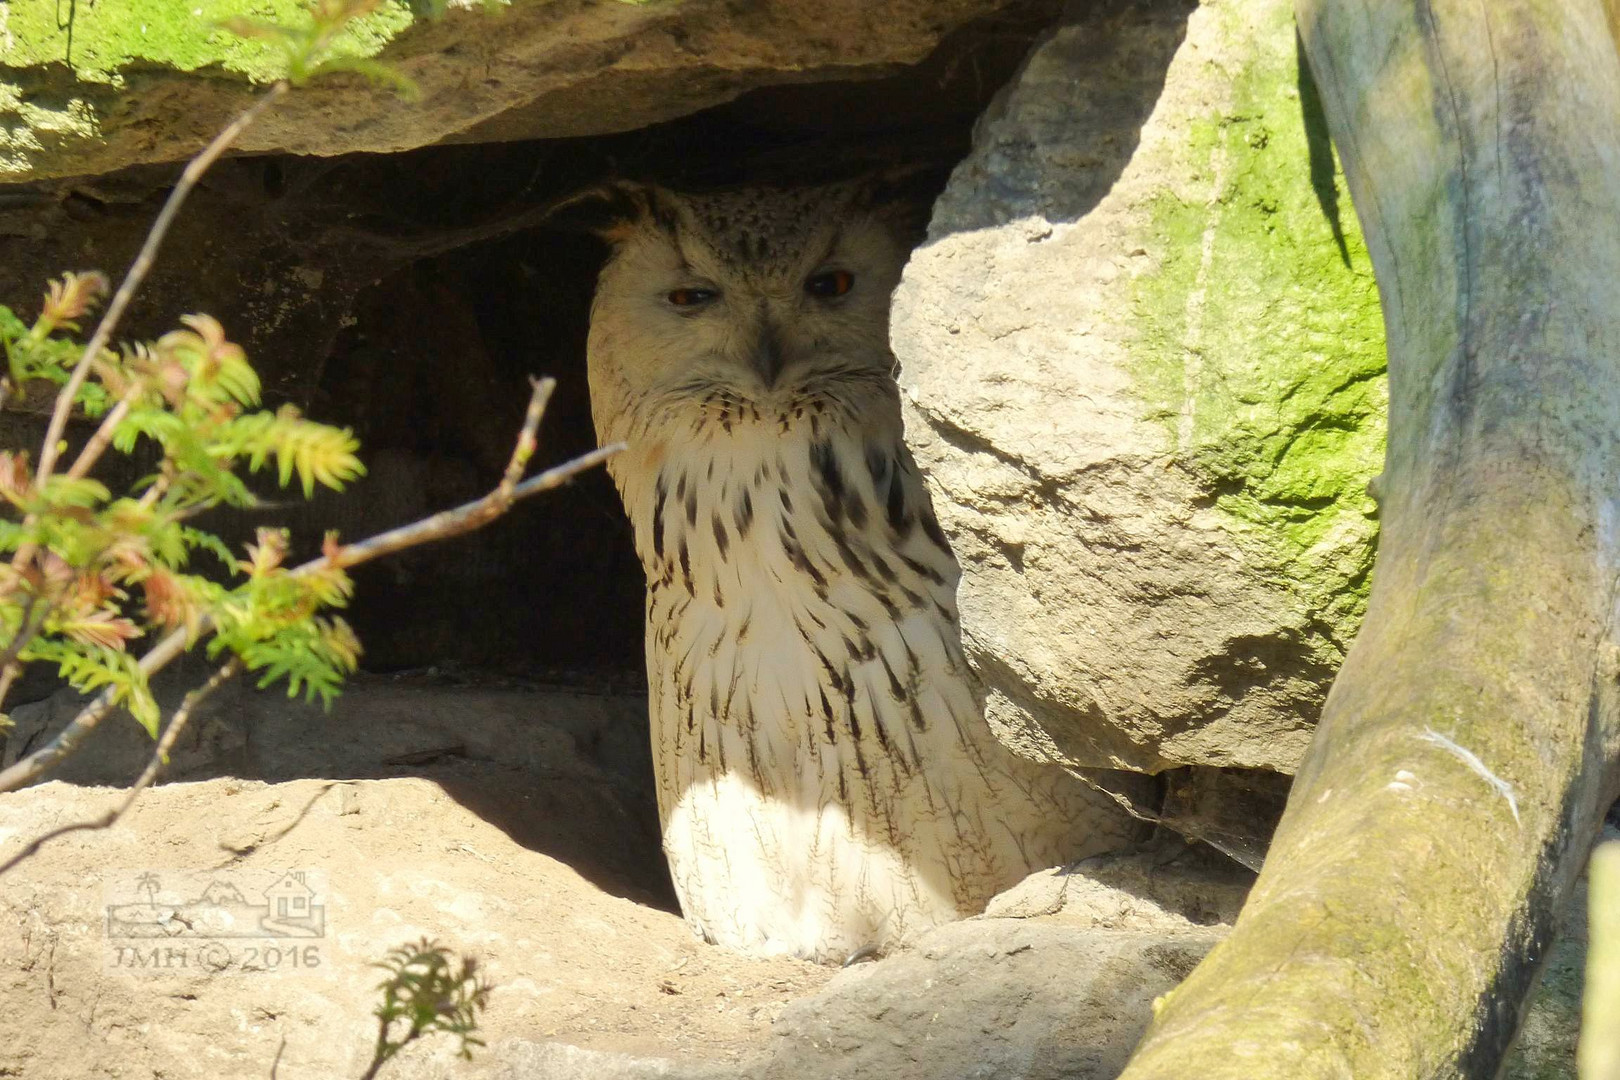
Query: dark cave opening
432, 367
411, 296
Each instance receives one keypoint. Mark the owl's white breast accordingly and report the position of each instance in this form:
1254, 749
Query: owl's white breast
826, 779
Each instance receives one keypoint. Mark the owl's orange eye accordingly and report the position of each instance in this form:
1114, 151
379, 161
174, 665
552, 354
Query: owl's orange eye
691, 298
830, 284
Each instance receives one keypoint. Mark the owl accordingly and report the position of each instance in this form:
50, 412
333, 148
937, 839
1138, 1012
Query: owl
827, 783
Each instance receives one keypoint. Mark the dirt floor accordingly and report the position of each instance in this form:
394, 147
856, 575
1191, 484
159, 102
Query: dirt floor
508, 824
398, 859
514, 825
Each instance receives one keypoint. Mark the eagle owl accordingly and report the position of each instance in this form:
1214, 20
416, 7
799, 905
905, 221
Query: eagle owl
826, 779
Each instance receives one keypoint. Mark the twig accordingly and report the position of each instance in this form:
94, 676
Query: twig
463, 519
275, 1065
440, 526
414, 248
98, 442
138, 270
19, 639
27, 629
154, 766
468, 516
159, 486
538, 400
8, 675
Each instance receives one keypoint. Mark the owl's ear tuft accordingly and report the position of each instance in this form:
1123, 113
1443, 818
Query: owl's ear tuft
903, 197
611, 211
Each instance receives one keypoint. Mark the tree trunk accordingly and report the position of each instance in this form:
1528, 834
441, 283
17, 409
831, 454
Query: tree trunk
1599, 1053
1468, 748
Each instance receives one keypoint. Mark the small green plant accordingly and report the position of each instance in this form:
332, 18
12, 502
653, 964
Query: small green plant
88, 572
91, 571
426, 992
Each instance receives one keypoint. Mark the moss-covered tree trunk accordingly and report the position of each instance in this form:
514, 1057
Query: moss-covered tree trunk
1469, 745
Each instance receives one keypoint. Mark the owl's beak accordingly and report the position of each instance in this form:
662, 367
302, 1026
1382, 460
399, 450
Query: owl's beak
767, 359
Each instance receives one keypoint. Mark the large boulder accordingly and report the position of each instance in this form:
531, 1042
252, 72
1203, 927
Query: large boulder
88, 88
1142, 359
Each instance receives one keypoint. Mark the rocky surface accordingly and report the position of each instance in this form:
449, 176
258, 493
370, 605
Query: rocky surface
558, 770
88, 88
594, 978
1142, 359
400, 859
500, 849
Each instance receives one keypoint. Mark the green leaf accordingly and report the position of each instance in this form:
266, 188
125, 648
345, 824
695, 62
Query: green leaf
155, 422
90, 668
317, 453
63, 492
238, 379
166, 539
11, 327
207, 541
49, 358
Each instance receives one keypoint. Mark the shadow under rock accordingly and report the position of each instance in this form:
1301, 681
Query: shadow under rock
564, 772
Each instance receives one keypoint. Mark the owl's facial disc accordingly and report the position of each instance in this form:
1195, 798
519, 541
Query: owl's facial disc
771, 301
762, 328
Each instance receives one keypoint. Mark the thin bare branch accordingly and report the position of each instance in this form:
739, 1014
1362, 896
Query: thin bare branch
524, 449
462, 519
138, 270
159, 486
27, 629
8, 675
154, 766
99, 441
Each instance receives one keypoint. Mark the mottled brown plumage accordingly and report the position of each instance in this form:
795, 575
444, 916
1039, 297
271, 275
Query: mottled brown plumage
826, 779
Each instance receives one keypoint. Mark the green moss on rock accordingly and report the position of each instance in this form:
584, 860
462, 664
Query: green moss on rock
100, 41
66, 66
1262, 345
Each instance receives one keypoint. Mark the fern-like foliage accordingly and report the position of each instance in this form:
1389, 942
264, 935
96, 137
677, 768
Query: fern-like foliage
89, 668
88, 572
272, 622
316, 453
425, 992
45, 351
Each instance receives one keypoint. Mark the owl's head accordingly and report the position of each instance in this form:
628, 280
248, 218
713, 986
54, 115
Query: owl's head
764, 295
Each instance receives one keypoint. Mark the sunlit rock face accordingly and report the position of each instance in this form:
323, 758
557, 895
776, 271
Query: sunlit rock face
1142, 358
